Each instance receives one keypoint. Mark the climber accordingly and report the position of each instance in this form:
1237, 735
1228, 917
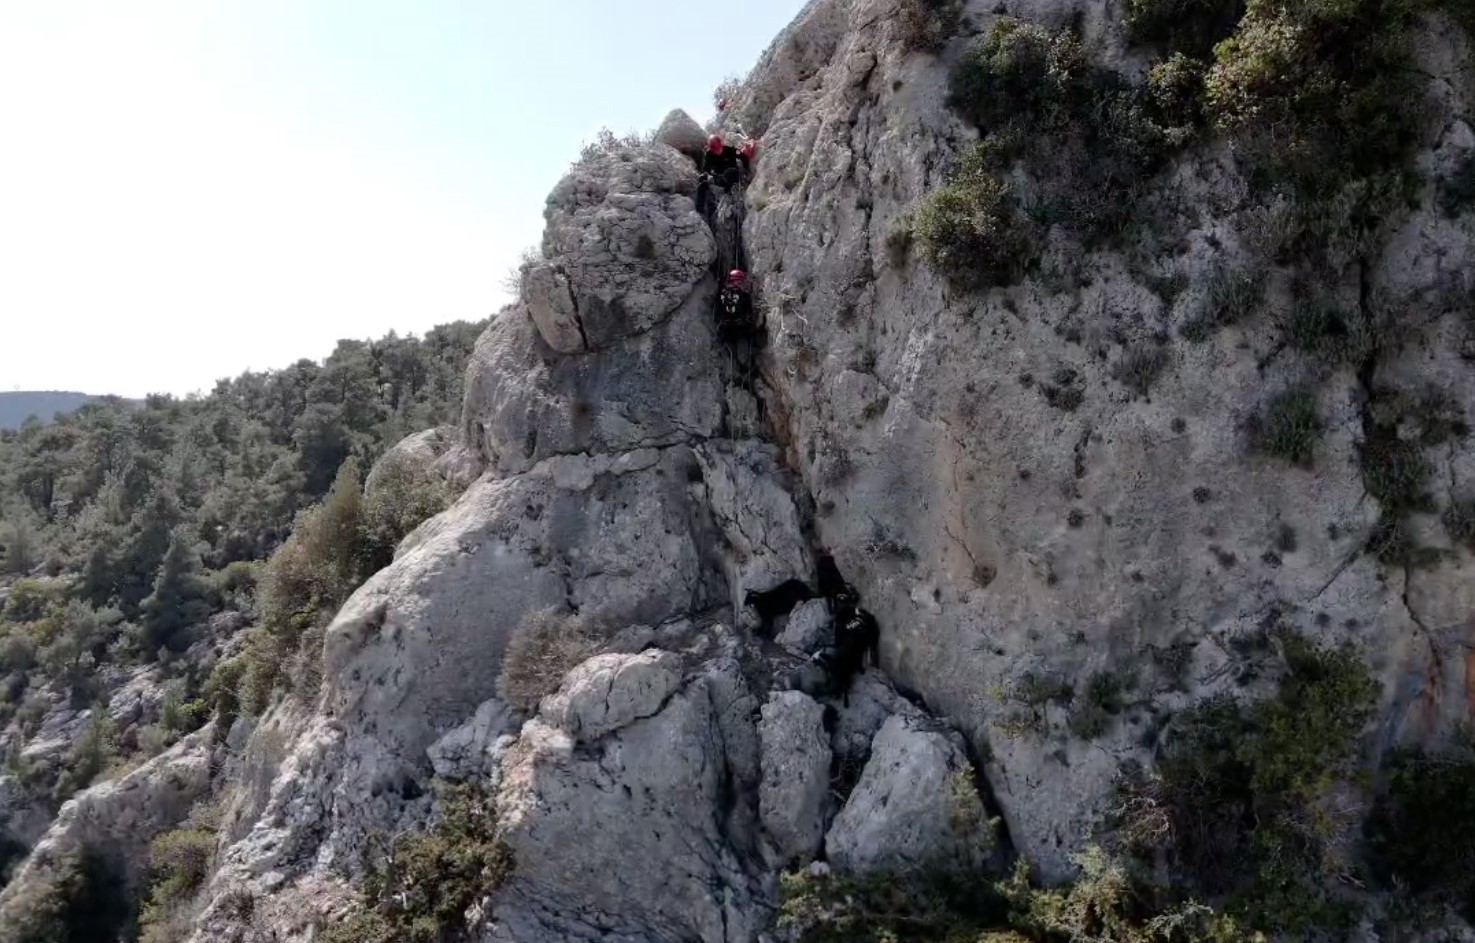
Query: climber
736, 317
857, 640
721, 165
840, 597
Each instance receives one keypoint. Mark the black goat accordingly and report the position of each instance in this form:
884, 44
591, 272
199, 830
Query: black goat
778, 601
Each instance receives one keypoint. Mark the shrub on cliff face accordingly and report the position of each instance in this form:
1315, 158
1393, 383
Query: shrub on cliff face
422, 889
1191, 27
1244, 801
1321, 93
180, 862
1086, 139
1290, 428
78, 900
973, 231
546, 646
928, 24
1422, 832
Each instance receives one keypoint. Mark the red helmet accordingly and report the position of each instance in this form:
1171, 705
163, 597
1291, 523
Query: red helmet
715, 143
748, 149
736, 277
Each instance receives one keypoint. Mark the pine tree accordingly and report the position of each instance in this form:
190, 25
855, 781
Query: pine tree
179, 599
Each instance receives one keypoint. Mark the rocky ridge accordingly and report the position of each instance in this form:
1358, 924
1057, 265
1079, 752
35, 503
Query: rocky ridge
1008, 546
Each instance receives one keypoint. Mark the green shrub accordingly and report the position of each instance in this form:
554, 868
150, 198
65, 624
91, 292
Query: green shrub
1330, 335
1320, 93
1089, 142
1395, 472
404, 494
1290, 429
1092, 710
928, 24
1459, 522
1241, 803
422, 889
88, 758
32, 600
1139, 369
1175, 90
546, 646
222, 693
1229, 297
972, 230
78, 899
180, 861
1103, 906
899, 241
1422, 831
1181, 26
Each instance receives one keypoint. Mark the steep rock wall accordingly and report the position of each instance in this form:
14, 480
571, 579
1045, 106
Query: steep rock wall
1004, 538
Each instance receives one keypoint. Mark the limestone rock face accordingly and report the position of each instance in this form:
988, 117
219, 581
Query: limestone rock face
909, 809
623, 248
1000, 537
796, 774
748, 494
525, 403
608, 692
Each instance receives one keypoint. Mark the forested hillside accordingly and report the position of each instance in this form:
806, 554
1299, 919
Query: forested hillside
133, 536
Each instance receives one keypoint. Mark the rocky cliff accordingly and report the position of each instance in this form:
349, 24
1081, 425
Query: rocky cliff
1054, 491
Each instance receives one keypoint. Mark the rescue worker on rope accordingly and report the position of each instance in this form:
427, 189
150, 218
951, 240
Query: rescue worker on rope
724, 166
736, 318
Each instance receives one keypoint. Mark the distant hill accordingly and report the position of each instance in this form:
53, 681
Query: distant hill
16, 407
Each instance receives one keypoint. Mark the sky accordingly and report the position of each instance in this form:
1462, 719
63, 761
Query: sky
194, 188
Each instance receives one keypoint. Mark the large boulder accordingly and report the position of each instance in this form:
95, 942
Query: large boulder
679, 130
914, 807
644, 836
623, 248
608, 692
809, 628
794, 796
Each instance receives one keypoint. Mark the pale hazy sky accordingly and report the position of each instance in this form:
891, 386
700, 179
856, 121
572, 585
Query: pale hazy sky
192, 188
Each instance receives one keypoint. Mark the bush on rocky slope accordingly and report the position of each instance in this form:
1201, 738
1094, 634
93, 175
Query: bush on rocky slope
1422, 831
546, 646
180, 861
422, 889
974, 230
78, 901
1246, 802
928, 24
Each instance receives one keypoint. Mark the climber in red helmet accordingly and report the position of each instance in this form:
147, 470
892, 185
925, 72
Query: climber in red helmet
735, 315
721, 165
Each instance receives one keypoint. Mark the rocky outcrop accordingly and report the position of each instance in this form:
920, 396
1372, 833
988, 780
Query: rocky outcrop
1019, 547
915, 806
622, 249
795, 792
118, 819
473, 750
1000, 537
643, 834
